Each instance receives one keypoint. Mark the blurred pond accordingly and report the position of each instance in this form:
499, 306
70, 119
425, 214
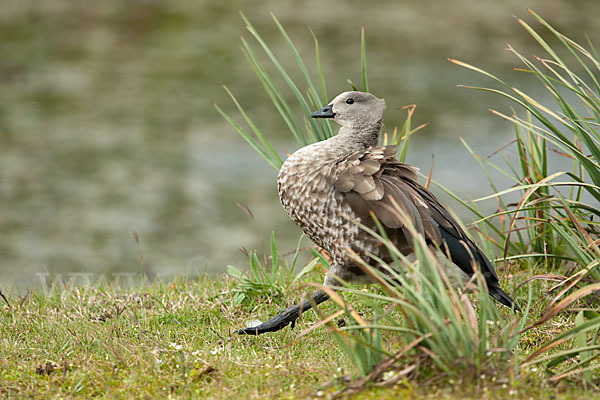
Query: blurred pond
107, 126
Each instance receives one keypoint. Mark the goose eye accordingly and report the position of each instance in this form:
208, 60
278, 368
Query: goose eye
350, 101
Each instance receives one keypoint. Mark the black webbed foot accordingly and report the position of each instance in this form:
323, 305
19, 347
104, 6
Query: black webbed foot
279, 322
286, 317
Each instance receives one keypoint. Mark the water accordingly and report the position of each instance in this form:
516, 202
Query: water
107, 127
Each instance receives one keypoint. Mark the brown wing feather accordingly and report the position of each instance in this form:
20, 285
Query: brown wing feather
374, 180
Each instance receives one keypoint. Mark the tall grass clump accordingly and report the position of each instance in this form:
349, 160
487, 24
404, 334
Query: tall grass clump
443, 330
309, 94
305, 130
554, 223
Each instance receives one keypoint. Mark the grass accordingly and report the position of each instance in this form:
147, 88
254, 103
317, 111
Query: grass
174, 339
155, 341
553, 226
424, 338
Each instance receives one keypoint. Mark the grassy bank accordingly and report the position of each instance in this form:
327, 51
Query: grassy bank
175, 339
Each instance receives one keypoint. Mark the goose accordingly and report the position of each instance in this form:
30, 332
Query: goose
328, 186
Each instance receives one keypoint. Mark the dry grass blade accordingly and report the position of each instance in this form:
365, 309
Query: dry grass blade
402, 374
5, 300
340, 302
471, 315
428, 181
544, 349
572, 282
591, 242
371, 272
532, 189
558, 377
546, 277
322, 322
566, 302
245, 209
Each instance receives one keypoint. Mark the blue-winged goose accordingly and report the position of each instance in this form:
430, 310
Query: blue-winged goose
327, 186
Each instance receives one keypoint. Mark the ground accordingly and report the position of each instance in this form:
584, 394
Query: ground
176, 340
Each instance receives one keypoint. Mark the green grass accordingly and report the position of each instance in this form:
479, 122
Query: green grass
155, 341
159, 340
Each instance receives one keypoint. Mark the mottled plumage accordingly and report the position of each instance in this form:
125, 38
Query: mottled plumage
329, 186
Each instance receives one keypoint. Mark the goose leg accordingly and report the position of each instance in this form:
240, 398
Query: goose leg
285, 317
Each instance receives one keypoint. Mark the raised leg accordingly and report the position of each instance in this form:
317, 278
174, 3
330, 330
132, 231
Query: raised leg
285, 317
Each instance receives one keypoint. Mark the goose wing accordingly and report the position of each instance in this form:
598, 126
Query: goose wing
375, 181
